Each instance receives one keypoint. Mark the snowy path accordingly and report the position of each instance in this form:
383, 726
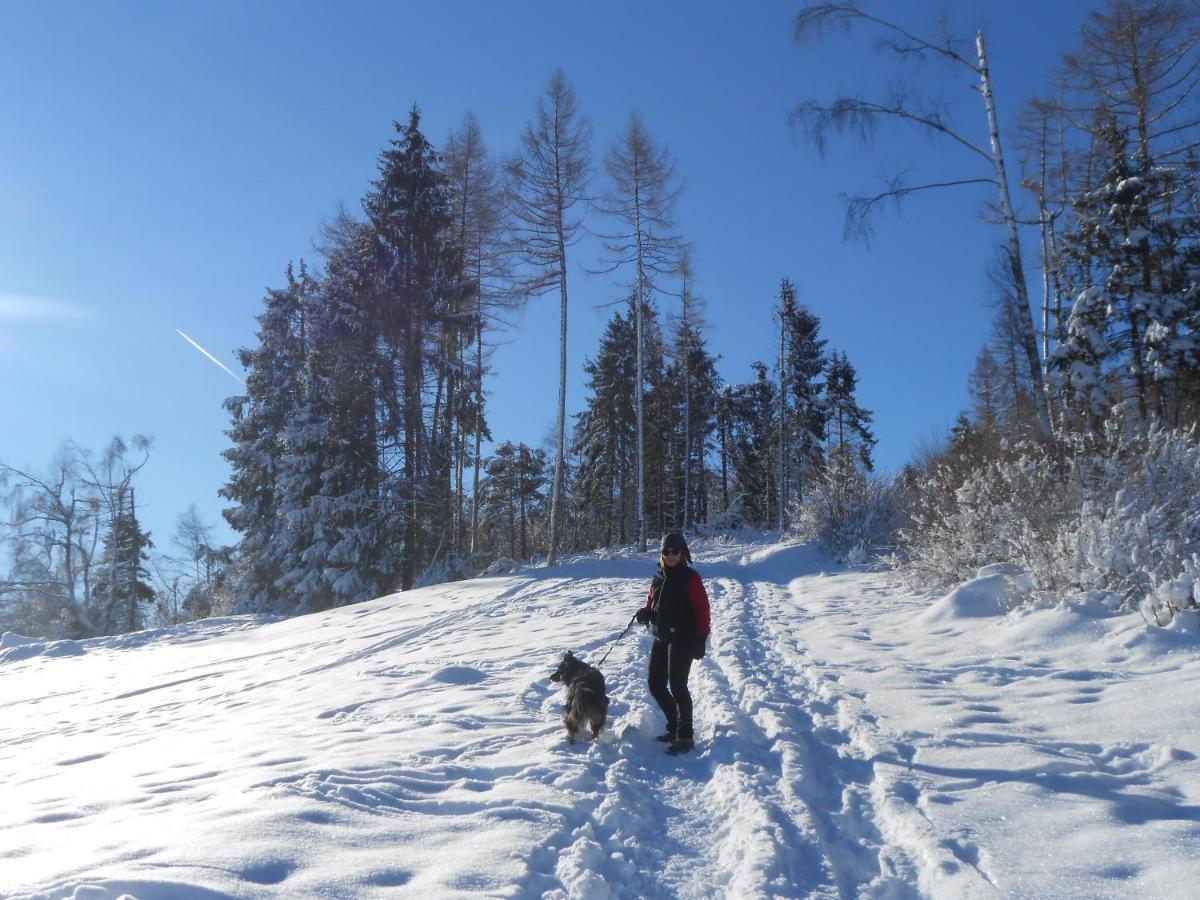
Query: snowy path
777, 800
853, 741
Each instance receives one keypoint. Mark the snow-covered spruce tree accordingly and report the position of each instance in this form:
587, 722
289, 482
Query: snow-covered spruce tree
417, 289
123, 590
1132, 78
752, 442
300, 465
331, 489
604, 439
1134, 263
548, 178
512, 490
805, 405
640, 200
849, 509
850, 435
274, 371
691, 387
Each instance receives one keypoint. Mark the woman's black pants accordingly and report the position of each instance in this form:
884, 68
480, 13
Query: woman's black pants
669, 668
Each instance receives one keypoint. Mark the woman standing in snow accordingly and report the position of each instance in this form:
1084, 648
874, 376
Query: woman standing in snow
677, 613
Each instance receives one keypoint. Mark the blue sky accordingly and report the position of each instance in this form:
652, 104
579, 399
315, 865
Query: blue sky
161, 163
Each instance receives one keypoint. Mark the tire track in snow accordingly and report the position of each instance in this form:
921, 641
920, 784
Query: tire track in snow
908, 845
818, 779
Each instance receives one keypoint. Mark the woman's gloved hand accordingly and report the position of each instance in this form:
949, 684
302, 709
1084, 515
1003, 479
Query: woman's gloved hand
699, 646
643, 615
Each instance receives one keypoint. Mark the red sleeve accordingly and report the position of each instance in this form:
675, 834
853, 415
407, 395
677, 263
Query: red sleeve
650, 596
699, 598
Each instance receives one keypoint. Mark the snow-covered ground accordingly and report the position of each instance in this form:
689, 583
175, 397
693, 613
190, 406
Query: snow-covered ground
854, 740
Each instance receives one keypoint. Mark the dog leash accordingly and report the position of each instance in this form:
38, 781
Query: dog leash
617, 641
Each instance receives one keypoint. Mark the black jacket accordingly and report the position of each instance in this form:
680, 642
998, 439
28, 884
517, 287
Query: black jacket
678, 604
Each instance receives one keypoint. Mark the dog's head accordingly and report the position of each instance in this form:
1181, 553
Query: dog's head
567, 668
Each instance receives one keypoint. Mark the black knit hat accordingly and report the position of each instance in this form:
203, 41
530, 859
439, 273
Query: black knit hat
675, 540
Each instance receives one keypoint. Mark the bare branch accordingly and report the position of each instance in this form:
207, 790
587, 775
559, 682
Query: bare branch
861, 210
858, 116
813, 22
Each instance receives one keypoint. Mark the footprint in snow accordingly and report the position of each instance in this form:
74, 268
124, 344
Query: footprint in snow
460, 675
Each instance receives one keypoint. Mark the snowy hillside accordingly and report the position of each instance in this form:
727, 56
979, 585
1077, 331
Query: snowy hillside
853, 740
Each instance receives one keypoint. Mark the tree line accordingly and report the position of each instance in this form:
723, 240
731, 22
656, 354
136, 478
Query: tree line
365, 410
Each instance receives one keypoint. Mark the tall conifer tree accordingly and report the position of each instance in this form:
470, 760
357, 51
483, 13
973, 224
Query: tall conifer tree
417, 288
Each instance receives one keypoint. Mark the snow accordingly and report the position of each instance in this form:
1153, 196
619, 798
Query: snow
853, 740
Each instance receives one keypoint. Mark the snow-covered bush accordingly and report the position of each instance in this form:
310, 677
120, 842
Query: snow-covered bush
730, 521
853, 514
451, 567
501, 566
962, 518
1117, 513
1172, 597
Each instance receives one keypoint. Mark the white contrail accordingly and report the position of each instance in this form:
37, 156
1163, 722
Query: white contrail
210, 356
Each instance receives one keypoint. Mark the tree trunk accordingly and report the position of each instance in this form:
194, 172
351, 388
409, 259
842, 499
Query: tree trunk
478, 423
560, 430
524, 531
723, 425
641, 456
134, 553
687, 420
782, 419
1025, 313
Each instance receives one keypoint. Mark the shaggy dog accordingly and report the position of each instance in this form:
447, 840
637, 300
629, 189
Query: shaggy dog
587, 701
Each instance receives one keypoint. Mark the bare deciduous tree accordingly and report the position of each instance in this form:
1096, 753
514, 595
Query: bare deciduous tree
481, 226
63, 582
548, 178
859, 116
641, 198
1138, 63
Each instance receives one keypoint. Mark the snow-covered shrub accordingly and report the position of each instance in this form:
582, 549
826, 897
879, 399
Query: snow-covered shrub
953, 528
730, 521
853, 514
1117, 513
1172, 597
502, 566
451, 567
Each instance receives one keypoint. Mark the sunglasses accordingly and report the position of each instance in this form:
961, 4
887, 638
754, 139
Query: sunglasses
671, 551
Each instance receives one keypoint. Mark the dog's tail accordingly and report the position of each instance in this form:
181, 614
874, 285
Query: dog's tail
594, 708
